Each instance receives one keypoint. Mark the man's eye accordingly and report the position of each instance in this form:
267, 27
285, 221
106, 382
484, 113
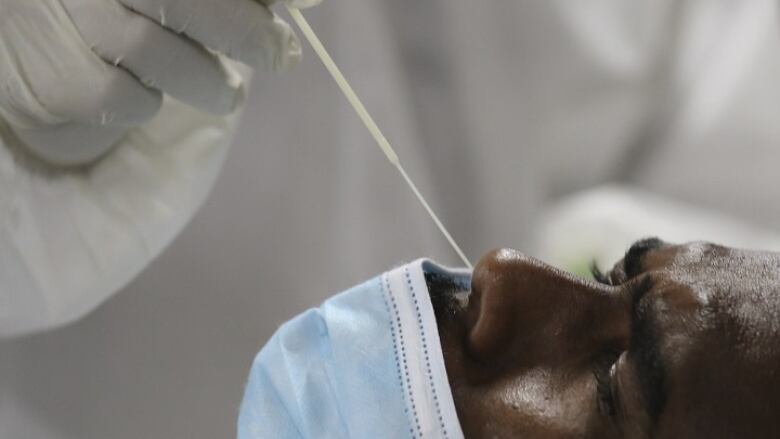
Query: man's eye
600, 276
614, 277
628, 267
606, 385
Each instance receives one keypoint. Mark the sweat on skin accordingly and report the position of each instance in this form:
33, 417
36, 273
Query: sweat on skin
674, 341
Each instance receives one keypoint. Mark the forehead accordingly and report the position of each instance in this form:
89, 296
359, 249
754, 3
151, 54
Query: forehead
727, 300
722, 270
718, 310
720, 285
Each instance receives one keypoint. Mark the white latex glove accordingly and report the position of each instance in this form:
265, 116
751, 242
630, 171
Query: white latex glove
70, 238
81, 77
75, 75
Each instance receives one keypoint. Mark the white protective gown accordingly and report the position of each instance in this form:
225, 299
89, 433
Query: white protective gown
498, 111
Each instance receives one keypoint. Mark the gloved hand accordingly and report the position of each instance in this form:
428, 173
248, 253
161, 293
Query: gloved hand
75, 75
78, 77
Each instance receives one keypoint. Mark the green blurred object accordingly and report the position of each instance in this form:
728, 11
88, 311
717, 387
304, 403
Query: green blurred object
580, 267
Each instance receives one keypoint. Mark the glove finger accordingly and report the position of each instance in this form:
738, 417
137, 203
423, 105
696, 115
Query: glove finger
241, 29
111, 96
70, 143
62, 80
159, 58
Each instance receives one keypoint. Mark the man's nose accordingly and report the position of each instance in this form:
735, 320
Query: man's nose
522, 306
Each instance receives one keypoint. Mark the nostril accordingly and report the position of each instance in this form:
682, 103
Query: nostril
492, 304
474, 305
516, 300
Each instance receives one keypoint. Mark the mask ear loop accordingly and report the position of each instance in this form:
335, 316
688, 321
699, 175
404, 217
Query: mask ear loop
368, 121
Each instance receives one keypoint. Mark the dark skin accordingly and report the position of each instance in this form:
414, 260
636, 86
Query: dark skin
676, 341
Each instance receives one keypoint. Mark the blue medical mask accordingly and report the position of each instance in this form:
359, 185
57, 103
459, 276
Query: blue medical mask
366, 364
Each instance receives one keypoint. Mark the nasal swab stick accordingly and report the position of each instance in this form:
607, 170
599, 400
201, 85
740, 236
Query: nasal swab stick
369, 122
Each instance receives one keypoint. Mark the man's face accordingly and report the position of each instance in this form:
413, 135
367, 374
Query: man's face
676, 341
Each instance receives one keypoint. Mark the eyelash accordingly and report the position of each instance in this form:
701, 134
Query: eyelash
599, 276
605, 395
605, 386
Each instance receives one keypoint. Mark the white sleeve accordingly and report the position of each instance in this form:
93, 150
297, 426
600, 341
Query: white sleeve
69, 239
599, 224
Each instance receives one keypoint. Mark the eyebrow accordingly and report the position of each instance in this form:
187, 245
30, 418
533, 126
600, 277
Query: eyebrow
644, 347
632, 261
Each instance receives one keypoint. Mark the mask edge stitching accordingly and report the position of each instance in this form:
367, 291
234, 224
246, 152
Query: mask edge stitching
429, 370
398, 340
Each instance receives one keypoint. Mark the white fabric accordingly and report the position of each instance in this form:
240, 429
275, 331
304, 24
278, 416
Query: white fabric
498, 111
600, 224
77, 74
69, 239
